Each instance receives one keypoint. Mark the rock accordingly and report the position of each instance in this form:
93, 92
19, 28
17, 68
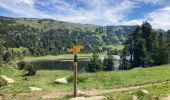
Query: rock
97, 98
78, 98
90, 98
134, 97
80, 92
164, 98
61, 80
35, 89
145, 91
157, 98
9, 80
1, 98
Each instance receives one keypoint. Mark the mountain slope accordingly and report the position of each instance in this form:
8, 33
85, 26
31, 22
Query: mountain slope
47, 36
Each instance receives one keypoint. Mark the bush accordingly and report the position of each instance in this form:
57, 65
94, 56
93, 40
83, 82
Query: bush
113, 52
31, 69
21, 65
95, 64
79, 79
108, 64
7, 57
141, 95
2, 82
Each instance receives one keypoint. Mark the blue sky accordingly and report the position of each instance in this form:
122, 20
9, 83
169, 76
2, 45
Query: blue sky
99, 12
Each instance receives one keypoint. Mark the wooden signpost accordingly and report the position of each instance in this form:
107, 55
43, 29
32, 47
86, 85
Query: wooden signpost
75, 50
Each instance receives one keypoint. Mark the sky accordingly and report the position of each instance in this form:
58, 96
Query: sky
98, 12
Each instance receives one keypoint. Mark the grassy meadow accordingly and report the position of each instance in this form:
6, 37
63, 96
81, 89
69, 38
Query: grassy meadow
160, 90
59, 57
86, 81
113, 47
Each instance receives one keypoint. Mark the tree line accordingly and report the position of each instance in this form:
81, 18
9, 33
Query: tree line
146, 47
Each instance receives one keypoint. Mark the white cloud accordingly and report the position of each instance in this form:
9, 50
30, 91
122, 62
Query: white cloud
25, 1
152, 1
133, 22
98, 11
23, 8
160, 18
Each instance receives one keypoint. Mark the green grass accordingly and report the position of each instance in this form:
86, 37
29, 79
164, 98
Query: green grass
132, 77
160, 90
43, 79
113, 47
100, 80
51, 57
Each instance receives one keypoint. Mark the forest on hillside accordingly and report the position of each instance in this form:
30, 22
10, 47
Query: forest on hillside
45, 36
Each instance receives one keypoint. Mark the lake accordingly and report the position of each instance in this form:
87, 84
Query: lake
67, 64
60, 64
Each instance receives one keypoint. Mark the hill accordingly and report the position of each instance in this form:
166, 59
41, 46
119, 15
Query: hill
47, 36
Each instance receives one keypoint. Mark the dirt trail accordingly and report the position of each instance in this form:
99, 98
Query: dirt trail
48, 95
105, 91
166, 98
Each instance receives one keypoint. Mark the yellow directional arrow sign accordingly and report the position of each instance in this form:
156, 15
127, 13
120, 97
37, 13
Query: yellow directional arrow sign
76, 48
71, 50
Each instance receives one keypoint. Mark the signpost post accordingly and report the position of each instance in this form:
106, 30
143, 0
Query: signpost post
75, 50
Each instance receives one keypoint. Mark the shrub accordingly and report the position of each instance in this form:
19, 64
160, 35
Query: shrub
7, 57
21, 65
141, 95
95, 64
31, 69
108, 64
79, 79
2, 82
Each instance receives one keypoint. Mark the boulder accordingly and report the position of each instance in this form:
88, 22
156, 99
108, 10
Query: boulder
9, 80
134, 97
62, 80
80, 92
35, 89
90, 98
145, 91
78, 98
1, 98
97, 98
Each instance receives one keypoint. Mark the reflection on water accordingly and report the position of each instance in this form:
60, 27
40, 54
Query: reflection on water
60, 64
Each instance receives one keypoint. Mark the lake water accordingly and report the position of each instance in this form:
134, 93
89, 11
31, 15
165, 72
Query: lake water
66, 64
60, 64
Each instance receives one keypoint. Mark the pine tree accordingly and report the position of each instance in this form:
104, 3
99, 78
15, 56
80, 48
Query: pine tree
1, 50
142, 52
168, 44
162, 51
108, 63
147, 34
136, 36
124, 64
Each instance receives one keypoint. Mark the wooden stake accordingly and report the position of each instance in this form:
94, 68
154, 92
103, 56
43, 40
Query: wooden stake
75, 74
